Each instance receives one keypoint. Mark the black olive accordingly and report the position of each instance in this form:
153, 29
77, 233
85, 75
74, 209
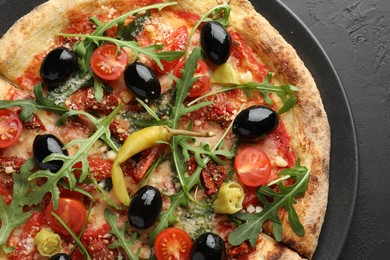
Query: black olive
57, 66
255, 122
60, 256
216, 42
208, 246
145, 207
45, 145
142, 81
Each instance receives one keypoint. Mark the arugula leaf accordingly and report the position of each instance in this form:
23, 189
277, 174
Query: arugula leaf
29, 106
201, 150
85, 48
130, 31
149, 51
285, 197
120, 234
12, 215
285, 92
98, 87
66, 170
73, 235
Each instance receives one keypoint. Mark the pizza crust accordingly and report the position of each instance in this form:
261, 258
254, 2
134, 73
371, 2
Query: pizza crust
306, 123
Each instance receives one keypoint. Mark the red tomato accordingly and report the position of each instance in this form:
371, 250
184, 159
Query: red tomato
71, 211
252, 166
107, 63
175, 42
202, 85
10, 128
99, 168
30, 229
172, 243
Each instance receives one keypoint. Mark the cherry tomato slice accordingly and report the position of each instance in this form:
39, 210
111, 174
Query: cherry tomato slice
107, 63
172, 243
71, 211
10, 128
175, 42
252, 166
202, 85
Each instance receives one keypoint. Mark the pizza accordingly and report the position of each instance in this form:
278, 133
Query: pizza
150, 129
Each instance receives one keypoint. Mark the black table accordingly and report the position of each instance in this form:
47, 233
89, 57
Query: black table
356, 36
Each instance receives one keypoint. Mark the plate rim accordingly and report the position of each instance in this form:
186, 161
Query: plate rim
279, 4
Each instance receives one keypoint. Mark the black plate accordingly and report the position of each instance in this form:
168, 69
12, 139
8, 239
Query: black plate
344, 153
344, 156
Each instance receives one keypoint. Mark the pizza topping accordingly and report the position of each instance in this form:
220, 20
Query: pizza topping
29, 106
202, 85
145, 207
265, 88
137, 142
57, 66
216, 42
230, 198
225, 74
285, 197
142, 81
45, 145
108, 62
208, 246
71, 211
60, 256
48, 243
10, 128
122, 235
172, 243
255, 122
252, 166
174, 42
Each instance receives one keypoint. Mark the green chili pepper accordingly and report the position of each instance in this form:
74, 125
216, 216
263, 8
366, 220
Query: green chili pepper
137, 142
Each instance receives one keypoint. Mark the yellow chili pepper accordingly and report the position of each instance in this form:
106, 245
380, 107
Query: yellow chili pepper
230, 198
135, 143
48, 243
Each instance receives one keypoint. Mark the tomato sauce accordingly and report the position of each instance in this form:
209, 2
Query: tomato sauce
245, 57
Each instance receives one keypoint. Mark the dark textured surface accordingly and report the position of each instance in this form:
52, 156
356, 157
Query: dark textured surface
355, 35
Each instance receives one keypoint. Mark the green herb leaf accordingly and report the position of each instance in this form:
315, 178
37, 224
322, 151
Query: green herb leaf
85, 48
29, 106
150, 51
285, 92
73, 235
251, 227
12, 215
37, 193
98, 87
121, 235
130, 31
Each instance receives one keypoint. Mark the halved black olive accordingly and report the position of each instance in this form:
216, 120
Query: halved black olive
142, 81
145, 207
208, 246
45, 145
60, 256
57, 66
255, 122
216, 42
